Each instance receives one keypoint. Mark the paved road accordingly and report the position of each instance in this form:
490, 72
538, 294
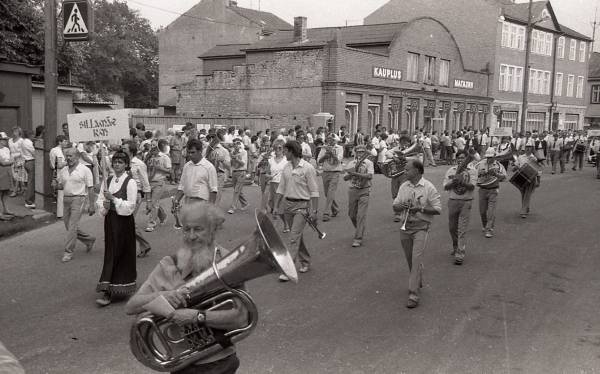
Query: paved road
525, 301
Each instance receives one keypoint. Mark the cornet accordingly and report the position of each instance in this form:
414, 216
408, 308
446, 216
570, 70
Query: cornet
314, 226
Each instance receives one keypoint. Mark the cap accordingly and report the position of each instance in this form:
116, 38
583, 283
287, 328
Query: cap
490, 152
3, 135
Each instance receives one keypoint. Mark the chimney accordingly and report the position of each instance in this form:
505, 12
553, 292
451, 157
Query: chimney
300, 34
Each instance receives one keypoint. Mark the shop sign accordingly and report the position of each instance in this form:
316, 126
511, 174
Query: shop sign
461, 83
385, 73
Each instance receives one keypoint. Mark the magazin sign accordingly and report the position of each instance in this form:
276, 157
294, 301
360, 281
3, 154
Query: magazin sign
460, 83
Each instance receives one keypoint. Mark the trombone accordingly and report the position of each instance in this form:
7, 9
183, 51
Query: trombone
313, 225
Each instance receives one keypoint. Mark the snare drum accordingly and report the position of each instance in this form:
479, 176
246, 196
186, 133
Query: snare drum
523, 177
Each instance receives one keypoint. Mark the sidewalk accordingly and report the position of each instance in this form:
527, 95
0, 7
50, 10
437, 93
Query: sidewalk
25, 219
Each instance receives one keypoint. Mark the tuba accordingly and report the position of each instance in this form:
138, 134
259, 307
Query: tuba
162, 345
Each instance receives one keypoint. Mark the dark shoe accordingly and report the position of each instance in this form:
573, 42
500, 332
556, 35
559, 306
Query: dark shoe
334, 214
523, 215
397, 218
325, 217
144, 252
103, 301
412, 303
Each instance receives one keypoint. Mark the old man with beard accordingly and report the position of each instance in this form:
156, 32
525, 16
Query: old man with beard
201, 221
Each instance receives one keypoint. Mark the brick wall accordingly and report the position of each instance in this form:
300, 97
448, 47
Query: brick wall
286, 88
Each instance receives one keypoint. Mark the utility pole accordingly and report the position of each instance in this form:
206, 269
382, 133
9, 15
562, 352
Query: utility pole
50, 93
526, 72
594, 30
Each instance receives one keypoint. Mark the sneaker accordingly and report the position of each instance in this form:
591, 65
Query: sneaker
489, 234
149, 229
231, 211
304, 269
283, 278
30, 206
67, 257
412, 303
356, 243
458, 259
103, 301
89, 246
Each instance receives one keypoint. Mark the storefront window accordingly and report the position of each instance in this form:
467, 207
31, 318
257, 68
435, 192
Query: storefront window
571, 121
535, 121
509, 119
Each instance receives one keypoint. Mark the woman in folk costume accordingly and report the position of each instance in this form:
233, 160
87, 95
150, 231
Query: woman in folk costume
117, 201
527, 190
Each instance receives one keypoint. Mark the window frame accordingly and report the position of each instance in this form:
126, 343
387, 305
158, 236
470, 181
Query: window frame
573, 50
597, 94
570, 85
560, 50
444, 74
579, 89
558, 86
582, 51
412, 71
429, 68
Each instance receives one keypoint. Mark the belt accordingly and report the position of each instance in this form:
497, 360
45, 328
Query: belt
489, 188
238, 170
295, 200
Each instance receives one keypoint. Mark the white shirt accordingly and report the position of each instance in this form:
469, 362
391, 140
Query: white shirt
198, 180
15, 147
277, 168
306, 151
56, 156
77, 182
4, 154
375, 142
426, 142
227, 138
139, 173
123, 207
309, 138
243, 157
27, 150
382, 151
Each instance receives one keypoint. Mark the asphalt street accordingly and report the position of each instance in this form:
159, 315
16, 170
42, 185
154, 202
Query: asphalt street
525, 301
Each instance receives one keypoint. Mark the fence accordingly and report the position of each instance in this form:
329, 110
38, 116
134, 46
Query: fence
162, 123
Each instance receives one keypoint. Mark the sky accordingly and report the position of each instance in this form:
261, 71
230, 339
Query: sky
576, 14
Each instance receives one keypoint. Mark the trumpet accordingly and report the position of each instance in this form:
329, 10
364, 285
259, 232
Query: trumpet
410, 206
313, 225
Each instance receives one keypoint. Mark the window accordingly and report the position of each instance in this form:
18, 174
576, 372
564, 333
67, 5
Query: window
571, 121
546, 83
509, 119
570, 83
582, 47
541, 42
513, 36
580, 87
444, 72
596, 94
535, 121
539, 82
429, 70
511, 78
558, 84
412, 70
534, 41
561, 47
549, 41
572, 49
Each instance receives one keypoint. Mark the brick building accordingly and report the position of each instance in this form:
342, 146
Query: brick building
401, 75
592, 116
491, 34
205, 25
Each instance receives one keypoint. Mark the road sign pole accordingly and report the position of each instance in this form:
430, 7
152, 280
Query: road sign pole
50, 93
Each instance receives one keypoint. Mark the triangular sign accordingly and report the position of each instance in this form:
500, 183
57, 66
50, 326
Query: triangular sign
76, 23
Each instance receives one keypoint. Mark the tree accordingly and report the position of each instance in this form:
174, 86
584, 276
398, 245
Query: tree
121, 58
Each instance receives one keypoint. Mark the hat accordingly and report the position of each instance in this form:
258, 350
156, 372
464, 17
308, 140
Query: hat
490, 152
3, 135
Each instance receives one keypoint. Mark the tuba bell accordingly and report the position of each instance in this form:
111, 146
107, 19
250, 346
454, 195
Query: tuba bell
162, 345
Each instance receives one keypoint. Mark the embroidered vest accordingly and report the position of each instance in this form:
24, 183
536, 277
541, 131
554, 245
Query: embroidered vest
122, 192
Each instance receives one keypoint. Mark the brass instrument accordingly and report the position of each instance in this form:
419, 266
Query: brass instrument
403, 227
236, 161
331, 154
461, 177
313, 225
175, 207
162, 345
395, 166
357, 181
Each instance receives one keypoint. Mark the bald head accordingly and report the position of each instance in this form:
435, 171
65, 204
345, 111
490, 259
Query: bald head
201, 221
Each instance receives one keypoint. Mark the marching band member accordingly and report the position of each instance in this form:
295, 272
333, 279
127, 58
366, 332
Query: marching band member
528, 190
239, 166
219, 157
555, 146
198, 178
579, 150
504, 150
277, 162
489, 175
419, 201
330, 157
398, 155
298, 185
201, 222
459, 181
57, 162
139, 173
359, 172
159, 169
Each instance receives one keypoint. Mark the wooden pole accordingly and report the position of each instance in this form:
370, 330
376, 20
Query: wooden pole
50, 95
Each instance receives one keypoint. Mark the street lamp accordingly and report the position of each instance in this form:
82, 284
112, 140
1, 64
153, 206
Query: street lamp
530, 25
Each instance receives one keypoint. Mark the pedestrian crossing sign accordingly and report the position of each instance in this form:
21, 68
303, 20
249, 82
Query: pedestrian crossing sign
77, 20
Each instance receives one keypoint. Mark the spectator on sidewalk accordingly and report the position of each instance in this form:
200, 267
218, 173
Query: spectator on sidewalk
5, 163
77, 183
28, 154
19, 175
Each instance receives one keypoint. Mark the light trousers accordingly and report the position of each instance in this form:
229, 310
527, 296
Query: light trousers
487, 207
358, 204
330, 185
459, 212
73, 210
238, 178
414, 241
293, 214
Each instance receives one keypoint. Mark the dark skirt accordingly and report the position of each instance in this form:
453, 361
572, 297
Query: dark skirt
119, 272
5, 177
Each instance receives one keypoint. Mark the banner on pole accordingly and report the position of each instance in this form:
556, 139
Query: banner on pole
501, 131
99, 126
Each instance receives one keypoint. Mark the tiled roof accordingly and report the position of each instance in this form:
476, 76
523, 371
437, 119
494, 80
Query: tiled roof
224, 50
268, 20
520, 12
349, 35
574, 34
594, 69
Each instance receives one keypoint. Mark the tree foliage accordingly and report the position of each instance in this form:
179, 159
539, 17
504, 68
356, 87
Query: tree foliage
121, 58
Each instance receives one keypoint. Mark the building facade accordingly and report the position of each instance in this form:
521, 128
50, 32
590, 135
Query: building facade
496, 40
403, 76
592, 116
205, 25
15, 95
